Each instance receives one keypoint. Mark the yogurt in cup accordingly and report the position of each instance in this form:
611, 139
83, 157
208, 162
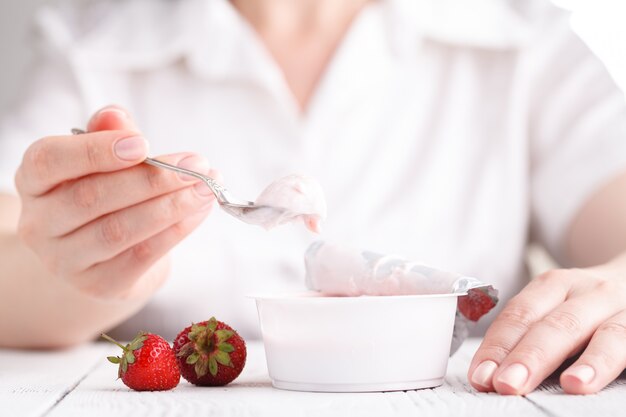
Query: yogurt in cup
372, 322
356, 344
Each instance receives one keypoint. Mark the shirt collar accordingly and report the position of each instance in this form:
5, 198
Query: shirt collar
482, 24
211, 37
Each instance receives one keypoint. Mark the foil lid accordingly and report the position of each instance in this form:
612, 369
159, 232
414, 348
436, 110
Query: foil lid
338, 270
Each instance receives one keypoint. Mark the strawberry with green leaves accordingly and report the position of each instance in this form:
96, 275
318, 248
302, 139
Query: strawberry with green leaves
147, 363
210, 353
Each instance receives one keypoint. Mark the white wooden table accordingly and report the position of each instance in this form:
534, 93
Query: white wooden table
80, 382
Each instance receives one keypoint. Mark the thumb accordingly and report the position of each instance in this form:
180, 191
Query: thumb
111, 118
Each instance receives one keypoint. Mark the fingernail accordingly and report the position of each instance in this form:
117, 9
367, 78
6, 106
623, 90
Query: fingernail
193, 163
132, 148
112, 110
202, 189
515, 376
484, 373
584, 373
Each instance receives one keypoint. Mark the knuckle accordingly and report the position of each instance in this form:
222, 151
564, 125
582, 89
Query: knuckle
551, 276
27, 230
495, 351
85, 284
92, 153
601, 358
563, 322
57, 261
155, 178
544, 277
112, 231
50, 258
518, 314
180, 230
37, 159
85, 194
173, 205
614, 328
611, 286
142, 252
52, 263
531, 353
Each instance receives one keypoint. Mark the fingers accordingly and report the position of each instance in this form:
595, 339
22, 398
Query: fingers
602, 361
114, 233
75, 203
53, 160
541, 327
111, 118
120, 275
533, 303
550, 341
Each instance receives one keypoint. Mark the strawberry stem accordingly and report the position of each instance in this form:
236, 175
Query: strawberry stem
107, 337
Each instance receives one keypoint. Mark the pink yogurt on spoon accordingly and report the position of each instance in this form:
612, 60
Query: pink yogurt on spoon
301, 197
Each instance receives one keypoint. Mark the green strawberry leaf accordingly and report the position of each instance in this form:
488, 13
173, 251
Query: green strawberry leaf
226, 347
212, 324
186, 350
201, 367
223, 335
213, 365
137, 343
223, 358
193, 358
113, 359
194, 332
130, 357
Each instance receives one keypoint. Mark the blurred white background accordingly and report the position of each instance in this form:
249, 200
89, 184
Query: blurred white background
601, 23
15, 23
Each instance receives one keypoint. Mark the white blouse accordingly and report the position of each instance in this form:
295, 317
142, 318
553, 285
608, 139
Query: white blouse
450, 132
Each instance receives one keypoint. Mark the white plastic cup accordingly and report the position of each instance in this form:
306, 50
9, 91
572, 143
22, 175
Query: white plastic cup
357, 344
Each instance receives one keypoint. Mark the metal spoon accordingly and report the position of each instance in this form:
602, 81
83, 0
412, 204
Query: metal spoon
244, 210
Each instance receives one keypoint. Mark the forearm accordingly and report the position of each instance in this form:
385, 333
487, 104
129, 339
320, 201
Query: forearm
598, 232
42, 311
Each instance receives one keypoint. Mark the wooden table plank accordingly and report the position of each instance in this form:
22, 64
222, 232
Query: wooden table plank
457, 398
32, 382
251, 394
609, 402
80, 382
100, 395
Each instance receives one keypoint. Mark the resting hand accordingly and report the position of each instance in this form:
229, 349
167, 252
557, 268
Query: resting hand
97, 217
558, 315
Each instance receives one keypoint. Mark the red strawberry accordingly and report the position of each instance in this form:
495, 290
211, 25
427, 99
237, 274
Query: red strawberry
210, 353
148, 363
476, 303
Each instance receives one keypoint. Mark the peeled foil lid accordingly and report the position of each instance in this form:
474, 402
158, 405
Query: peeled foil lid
339, 270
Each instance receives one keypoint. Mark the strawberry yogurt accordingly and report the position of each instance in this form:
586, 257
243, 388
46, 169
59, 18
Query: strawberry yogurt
301, 198
336, 270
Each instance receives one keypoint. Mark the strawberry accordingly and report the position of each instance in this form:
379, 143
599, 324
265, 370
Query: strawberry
476, 303
147, 363
210, 353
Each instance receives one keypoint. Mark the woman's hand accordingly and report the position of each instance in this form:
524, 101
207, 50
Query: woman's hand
558, 315
96, 216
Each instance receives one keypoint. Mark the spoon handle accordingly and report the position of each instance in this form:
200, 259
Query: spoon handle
220, 192
217, 189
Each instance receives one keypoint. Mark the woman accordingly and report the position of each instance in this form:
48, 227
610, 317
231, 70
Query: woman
450, 132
